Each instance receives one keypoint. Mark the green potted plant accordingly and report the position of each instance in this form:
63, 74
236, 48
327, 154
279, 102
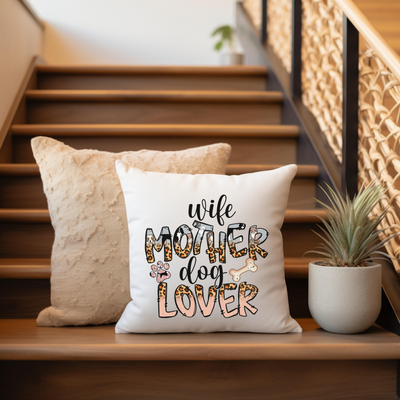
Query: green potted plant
345, 285
227, 40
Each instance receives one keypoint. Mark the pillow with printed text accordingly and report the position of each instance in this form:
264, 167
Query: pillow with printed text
206, 252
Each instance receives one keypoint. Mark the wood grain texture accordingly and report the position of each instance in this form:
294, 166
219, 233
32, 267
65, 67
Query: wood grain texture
24, 216
221, 71
25, 288
17, 112
199, 380
35, 240
23, 269
26, 240
303, 171
36, 216
244, 151
158, 130
149, 81
21, 186
23, 298
175, 96
23, 340
384, 15
39, 268
48, 112
371, 35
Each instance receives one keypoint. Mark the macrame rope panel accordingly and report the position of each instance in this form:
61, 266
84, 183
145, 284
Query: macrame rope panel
279, 30
253, 8
322, 47
379, 136
379, 97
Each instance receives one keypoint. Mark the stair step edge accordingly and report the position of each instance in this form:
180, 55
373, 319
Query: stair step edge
23, 340
170, 130
203, 96
43, 216
304, 171
250, 71
295, 268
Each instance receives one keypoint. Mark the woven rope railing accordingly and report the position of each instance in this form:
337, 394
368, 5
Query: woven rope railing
279, 31
379, 92
322, 67
279, 14
379, 136
253, 9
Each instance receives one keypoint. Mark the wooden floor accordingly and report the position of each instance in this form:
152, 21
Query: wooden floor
385, 16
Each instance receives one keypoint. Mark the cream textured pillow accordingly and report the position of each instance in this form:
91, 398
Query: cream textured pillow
206, 252
89, 262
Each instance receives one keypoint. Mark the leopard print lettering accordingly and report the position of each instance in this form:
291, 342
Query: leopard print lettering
182, 231
256, 237
212, 298
162, 302
233, 241
223, 302
164, 239
181, 291
211, 250
244, 300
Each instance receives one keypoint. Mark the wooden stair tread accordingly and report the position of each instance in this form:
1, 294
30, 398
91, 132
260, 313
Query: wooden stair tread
304, 171
13, 215
39, 268
215, 96
23, 340
154, 70
170, 130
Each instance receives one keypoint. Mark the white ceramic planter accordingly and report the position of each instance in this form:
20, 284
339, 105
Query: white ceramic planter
231, 59
344, 300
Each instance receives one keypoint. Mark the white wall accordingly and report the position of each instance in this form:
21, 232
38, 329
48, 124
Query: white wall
21, 38
156, 32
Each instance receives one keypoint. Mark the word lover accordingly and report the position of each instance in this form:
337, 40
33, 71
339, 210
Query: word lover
246, 292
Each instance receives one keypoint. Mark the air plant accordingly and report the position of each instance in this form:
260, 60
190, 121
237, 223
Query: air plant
227, 36
351, 237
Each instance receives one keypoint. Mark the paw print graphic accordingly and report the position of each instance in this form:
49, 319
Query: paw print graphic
160, 271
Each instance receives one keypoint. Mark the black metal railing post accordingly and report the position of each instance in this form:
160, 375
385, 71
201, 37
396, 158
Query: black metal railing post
295, 76
263, 28
350, 108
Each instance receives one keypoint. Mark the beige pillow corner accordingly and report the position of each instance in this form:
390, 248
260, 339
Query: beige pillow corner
89, 261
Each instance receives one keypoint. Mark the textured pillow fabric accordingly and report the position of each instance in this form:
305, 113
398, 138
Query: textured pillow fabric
89, 262
206, 252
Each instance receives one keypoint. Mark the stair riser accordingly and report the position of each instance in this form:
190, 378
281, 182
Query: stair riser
25, 298
27, 192
22, 240
244, 150
180, 380
59, 112
147, 82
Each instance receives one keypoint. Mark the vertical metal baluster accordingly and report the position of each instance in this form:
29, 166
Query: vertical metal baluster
350, 108
295, 76
263, 31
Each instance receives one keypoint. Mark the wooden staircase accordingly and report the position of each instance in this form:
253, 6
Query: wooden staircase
166, 108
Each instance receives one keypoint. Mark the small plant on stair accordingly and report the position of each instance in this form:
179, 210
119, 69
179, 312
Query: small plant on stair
344, 298
227, 36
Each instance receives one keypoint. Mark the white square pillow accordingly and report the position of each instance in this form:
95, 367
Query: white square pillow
206, 252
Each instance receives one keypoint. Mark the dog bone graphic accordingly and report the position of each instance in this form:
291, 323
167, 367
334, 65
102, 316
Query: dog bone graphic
250, 266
